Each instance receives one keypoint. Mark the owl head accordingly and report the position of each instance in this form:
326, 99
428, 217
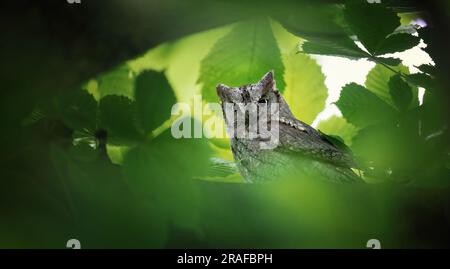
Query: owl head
263, 91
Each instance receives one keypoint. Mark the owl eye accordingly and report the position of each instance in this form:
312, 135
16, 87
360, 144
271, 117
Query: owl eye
263, 101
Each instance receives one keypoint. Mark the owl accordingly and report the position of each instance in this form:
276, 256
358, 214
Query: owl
286, 147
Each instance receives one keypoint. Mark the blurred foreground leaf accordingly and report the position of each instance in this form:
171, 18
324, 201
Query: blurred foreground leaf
118, 117
163, 171
79, 110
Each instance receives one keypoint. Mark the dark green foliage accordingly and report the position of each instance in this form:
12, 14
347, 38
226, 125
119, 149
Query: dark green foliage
428, 69
397, 43
117, 115
388, 61
401, 92
421, 80
344, 48
78, 110
378, 82
320, 25
154, 99
364, 20
162, 172
377, 36
361, 107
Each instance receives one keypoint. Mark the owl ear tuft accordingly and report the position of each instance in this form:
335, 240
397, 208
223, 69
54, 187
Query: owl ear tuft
222, 91
222, 88
268, 80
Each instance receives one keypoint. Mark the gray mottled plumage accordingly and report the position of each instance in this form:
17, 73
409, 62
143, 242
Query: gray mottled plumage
302, 151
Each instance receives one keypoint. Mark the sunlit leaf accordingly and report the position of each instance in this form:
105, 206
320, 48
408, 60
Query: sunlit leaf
338, 126
92, 87
157, 58
118, 81
242, 56
184, 68
180, 60
116, 153
305, 91
378, 83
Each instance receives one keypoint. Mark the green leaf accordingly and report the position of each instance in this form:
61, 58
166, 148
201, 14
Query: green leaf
372, 23
118, 117
118, 81
318, 22
92, 87
337, 141
378, 83
429, 38
157, 58
305, 91
242, 56
78, 110
163, 170
421, 80
397, 43
361, 107
374, 144
154, 99
391, 149
180, 60
116, 153
427, 69
91, 189
401, 92
388, 61
338, 126
344, 47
